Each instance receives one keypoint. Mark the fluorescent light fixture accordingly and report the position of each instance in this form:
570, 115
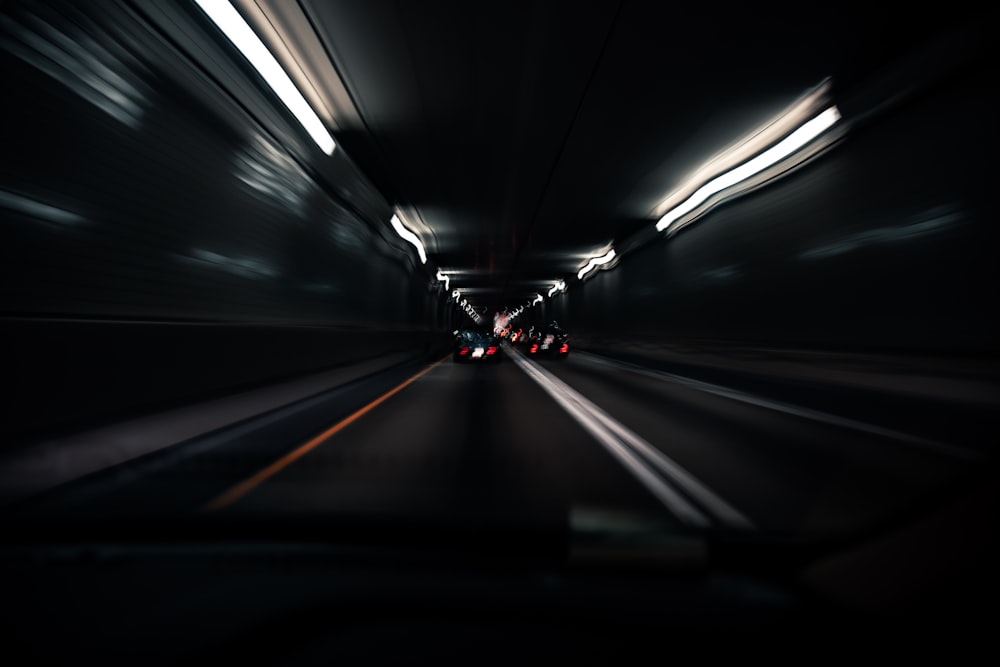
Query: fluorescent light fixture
595, 262
229, 21
443, 278
538, 299
407, 235
455, 294
793, 142
558, 287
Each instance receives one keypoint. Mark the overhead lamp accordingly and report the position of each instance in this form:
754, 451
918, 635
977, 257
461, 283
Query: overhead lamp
239, 32
407, 235
558, 287
595, 262
778, 152
443, 278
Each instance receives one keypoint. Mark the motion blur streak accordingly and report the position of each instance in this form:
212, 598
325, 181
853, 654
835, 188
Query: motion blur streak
638, 456
245, 487
245, 267
273, 175
798, 411
38, 210
932, 222
77, 60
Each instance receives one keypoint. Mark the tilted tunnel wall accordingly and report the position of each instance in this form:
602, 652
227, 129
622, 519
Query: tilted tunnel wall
166, 237
184, 215
886, 242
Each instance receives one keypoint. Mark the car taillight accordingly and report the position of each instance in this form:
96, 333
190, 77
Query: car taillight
534, 348
564, 349
464, 351
490, 350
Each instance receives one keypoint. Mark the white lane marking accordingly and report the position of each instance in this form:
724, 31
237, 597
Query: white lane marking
787, 408
638, 456
668, 467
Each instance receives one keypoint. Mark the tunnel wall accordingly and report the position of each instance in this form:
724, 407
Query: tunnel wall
886, 242
165, 240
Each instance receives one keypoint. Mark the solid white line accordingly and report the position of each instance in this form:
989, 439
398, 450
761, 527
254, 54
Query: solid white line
787, 408
644, 461
667, 466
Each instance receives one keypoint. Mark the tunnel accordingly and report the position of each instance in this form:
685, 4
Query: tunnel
241, 292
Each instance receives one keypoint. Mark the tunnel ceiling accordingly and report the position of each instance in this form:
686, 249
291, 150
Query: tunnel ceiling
521, 139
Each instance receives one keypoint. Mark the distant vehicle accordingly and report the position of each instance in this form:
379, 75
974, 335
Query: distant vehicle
477, 346
532, 335
548, 341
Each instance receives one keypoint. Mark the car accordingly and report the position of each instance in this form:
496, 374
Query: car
532, 334
477, 346
550, 340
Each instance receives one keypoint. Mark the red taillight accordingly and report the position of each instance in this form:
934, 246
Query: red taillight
564, 349
490, 350
464, 351
534, 348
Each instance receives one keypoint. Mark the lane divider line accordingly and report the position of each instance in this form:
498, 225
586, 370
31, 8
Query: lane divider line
681, 477
243, 488
654, 469
788, 408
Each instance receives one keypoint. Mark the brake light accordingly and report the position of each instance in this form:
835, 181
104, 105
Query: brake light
490, 350
564, 349
534, 348
464, 351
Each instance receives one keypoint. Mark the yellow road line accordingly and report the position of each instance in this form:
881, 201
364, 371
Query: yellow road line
248, 485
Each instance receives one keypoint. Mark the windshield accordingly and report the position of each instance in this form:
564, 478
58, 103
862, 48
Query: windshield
781, 397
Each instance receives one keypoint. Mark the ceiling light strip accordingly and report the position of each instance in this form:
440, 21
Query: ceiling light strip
239, 32
407, 235
793, 142
595, 262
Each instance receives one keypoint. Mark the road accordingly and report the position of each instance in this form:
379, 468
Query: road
573, 505
541, 443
